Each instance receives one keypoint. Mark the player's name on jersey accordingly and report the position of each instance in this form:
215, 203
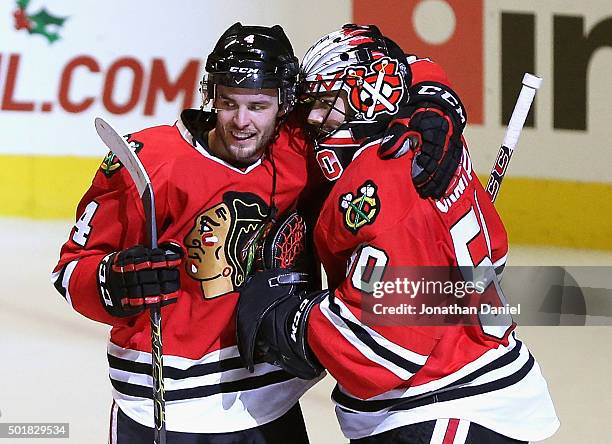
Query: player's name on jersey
452, 309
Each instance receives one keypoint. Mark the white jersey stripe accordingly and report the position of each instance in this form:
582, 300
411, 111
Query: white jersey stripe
66, 281
65, 274
486, 358
485, 230
532, 417
339, 323
170, 360
462, 432
439, 431
216, 379
55, 276
198, 381
501, 261
113, 424
409, 355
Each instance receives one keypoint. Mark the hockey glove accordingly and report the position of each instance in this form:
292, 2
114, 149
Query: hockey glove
282, 244
271, 322
132, 279
432, 125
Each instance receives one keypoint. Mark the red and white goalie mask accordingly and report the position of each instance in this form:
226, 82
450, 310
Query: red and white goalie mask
352, 81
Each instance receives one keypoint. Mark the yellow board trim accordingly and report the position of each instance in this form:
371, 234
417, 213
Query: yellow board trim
556, 212
44, 187
535, 211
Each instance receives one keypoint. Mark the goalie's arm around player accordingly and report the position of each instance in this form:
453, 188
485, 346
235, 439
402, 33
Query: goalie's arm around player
396, 383
421, 114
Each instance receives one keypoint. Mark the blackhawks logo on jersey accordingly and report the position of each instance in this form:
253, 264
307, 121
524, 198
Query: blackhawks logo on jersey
221, 244
360, 208
111, 164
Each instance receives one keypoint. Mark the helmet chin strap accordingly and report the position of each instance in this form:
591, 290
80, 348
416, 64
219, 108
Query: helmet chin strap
269, 151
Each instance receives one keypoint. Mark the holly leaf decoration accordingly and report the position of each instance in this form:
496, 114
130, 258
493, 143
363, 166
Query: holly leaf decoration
42, 20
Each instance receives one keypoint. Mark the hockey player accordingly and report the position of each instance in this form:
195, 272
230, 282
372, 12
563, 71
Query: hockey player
405, 383
215, 184
218, 178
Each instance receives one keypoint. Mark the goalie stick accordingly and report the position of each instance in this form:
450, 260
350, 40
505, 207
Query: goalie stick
531, 83
134, 167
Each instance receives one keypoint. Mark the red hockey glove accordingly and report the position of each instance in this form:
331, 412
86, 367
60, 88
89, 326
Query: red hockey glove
431, 133
399, 137
433, 122
438, 155
132, 279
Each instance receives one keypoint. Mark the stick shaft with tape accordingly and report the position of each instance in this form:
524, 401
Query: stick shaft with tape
531, 83
134, 167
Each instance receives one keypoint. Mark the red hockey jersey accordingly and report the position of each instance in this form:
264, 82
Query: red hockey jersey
212, 209
373, 223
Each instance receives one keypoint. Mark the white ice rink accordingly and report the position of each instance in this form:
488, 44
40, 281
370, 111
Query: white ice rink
53, 361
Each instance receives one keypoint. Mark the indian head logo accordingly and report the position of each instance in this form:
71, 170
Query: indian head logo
221, 245
376, 90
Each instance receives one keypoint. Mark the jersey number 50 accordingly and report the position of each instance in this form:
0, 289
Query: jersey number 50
368, 266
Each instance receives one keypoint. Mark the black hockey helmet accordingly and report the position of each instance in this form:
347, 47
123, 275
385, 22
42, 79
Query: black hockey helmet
254, 57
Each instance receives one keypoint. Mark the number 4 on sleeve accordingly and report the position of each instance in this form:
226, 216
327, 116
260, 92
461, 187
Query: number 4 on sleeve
82, 227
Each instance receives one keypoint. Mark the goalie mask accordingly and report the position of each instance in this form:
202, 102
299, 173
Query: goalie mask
352, 81
254, 57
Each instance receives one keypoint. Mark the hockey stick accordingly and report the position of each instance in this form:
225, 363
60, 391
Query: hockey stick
531, 83
132, 164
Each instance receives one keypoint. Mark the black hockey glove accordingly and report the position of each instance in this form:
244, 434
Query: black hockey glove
132, 279
269, 326
432, 125
271, 322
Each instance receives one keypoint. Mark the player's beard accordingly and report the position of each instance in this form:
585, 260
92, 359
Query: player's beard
247, 152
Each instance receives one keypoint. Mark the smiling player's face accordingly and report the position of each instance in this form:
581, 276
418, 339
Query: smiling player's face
246, 122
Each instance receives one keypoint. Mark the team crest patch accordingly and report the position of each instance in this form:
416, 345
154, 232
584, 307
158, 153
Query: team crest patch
376, 89
360, 208
111, 164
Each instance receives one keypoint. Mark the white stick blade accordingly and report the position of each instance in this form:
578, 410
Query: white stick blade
126, 155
